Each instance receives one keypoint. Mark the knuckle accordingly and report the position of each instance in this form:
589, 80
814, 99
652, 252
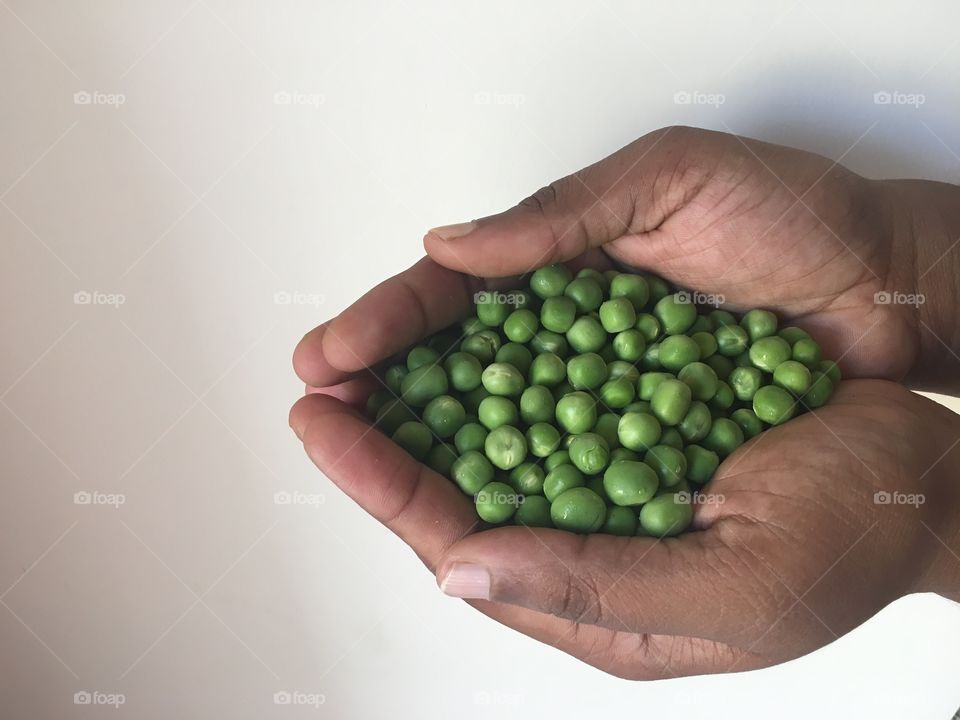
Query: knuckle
580, 600
543, 200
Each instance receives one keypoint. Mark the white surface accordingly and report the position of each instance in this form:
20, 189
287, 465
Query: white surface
200, 198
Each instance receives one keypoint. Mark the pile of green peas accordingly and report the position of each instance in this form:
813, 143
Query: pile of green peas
600, 402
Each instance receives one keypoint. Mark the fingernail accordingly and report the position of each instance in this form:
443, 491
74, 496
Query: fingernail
449, 232
466, 581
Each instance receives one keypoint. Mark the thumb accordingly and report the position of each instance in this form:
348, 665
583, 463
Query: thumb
562, 220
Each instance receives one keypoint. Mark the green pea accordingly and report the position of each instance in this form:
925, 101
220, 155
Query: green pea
696, 423
632, 287
617, 393
793, 376
617, 315
577, 412
724, 437
444, 415
649, 326
521, 325
700, 325
718, 318
748, 421
807, 352
549, 342
471, 471
586, 371
550, 281
393, 377
560, 390
376, 400
440, 458
537, 405
586, 335
638, 431
422, 385
745, 381
464, 371
607, 353
672, 438
669, 463
602, 280
620, 368
638, 406
420, 356
706, 342
792, 334
527, 479
471, 326
721, 365
606, 427
483, 345
589, 453
773, 405
558, 313
629, 345
731, 340
766, 353
701, 463
495, 411
392, 415
743, 359
832, 371
534, 511
650, 361
561, 479
556, 459
621, 453
517, 355
620, 521
676, 313
676, 351
472, 399
585, 292
648, 383
491, 308
723, 399
667, 515
629, 483
496, 502
444, 341
502, 379
547, 369
701, 378
658, 288
821, 388
759, 324
578, 510
506, 447
543, 439
470, 436
670, 401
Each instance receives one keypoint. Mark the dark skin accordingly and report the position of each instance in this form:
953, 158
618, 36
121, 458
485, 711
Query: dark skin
798, 552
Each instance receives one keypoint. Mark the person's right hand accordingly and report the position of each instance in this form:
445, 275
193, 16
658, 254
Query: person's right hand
761, 225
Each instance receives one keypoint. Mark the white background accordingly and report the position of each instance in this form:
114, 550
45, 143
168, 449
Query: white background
200, 198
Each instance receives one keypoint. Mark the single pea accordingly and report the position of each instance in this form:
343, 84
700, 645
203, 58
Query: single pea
721, 365
700, 325
521, 325
492, 308
558, 313
495, 411
617, 393
743, 359
602, 280
543, 439
649, 326
517, 355
638, 431
821, 388
561, 479
791, 334
560, 390
607, 353
586, 293
670, 401
556, 459
696, 423
632, 287
676, 351
506, 447
648, 383
496, 502
537, 405
748, 421
392, 415
671, 438
723, 399
731, 340
527, 479
676, 313
471, 326
832, 371
471, 400
808, 352
393, 377
464, 371
586, 371
651, 358
550, 281
759, 324
667, 515
718, 318
471, 471
766, 353
706, 342
578, 510
701, 463
658, 288
534, 511
420, 356
502, 379
470, 436
638, 406
793, 376
547, 369
589, 453
444, 415
606, 427
617, 315
669, 463
724, 437
376, 400
422, 385
621, 453
440, 458
701, 378
586, 334
621, 368
483, 345
629, 483
629, 345
620, 521
745, 381
577, 412
773, 405
549, 342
